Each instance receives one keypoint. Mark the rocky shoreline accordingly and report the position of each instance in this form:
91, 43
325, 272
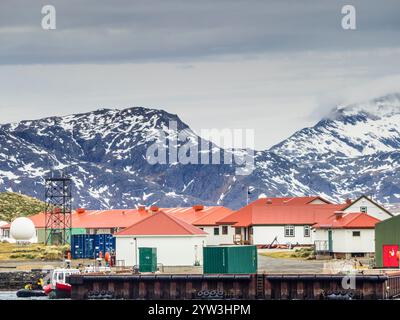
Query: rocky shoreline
15, 280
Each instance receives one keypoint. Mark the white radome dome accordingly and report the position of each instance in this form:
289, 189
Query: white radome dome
22, 229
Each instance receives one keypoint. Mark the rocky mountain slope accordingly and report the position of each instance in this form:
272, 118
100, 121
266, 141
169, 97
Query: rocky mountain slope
354, 150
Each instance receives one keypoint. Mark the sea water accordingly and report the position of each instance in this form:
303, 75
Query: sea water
12, 295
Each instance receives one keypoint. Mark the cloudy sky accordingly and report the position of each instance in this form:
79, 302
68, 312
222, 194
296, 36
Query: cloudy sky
272, 66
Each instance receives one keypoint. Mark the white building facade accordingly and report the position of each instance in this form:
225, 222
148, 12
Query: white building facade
348, 242
218, 234
171, 250
366, 205
282, 234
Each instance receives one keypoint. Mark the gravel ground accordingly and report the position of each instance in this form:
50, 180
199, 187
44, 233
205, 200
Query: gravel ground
27, 265
265, 264
275, 265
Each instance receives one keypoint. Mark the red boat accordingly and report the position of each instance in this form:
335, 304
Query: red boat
58, 288
63, 290
47, 289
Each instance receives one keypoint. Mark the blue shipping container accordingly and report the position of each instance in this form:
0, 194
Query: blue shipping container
88, 246
77, 246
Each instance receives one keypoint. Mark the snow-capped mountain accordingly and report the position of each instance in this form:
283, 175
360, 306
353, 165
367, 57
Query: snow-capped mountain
104, 152
352, 131
354, 150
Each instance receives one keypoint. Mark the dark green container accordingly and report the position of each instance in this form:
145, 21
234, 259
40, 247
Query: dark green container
147, 259
230, 259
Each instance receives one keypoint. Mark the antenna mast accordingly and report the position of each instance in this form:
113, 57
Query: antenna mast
58, 222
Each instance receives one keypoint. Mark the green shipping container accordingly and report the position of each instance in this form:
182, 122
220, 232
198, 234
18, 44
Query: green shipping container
147, 259
230, 259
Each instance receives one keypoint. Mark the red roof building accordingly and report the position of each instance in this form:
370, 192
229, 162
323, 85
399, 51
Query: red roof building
292, 220
122, 218
111, 221
356, 220
344, 235
200, 215
161, 223
177, 243
278, 211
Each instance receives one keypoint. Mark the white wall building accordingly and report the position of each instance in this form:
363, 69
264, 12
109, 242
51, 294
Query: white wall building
283, 234
292, 221
178, 243
207, 218
171, 250
285, 221
349, 241
346, 234
4, 232
366, 205
218, 234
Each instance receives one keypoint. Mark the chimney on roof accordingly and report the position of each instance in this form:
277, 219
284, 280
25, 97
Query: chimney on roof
154, 208
198, 207
141, 208
269, 201
348, 201
80, 210
339, 214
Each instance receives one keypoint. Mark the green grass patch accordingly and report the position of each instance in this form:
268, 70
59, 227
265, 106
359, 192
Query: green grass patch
10, 251
14, 205
301, 253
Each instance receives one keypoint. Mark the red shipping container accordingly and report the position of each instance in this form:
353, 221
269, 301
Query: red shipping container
390, 259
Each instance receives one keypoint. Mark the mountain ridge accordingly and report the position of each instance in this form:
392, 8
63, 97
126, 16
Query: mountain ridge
104, 152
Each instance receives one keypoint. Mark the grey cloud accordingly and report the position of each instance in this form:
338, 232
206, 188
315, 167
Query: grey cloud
164, 30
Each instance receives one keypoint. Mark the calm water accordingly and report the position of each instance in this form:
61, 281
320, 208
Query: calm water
12, 295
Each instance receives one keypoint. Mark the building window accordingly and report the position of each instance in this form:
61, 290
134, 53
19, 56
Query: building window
224, 229
307, 231
289, 231
216, 231
363, 209
356, 233
238, 230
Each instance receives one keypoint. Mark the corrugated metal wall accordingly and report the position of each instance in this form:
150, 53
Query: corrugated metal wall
230, 259
88, 246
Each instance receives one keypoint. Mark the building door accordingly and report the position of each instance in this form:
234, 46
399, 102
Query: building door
330, 241
389, 254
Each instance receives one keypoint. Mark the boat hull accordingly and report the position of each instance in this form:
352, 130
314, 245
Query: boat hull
63, 291
26, 293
